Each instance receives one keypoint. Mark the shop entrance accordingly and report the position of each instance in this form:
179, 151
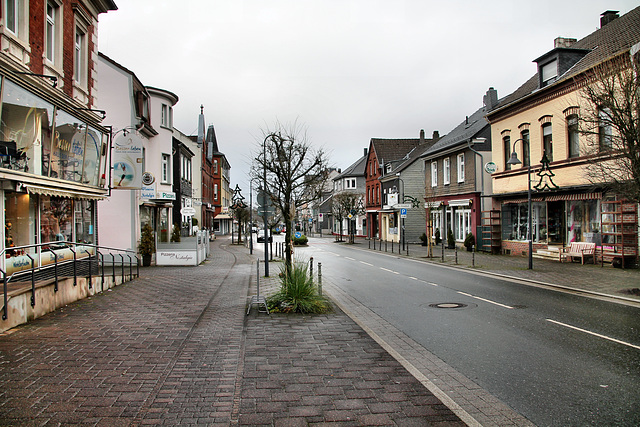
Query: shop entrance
556, 222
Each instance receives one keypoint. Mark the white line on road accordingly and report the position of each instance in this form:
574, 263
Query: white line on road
349, 258
390, 271
413, 278
594, 334
366, 263
485, 300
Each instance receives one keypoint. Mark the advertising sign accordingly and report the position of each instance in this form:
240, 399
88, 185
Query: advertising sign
127, 162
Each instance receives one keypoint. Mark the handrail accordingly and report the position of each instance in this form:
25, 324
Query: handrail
39, 249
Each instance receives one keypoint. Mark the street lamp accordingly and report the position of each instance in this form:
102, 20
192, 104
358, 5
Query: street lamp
514, 161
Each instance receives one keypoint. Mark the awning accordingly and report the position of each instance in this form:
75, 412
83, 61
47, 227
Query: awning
59, 192
557, 197
222, 216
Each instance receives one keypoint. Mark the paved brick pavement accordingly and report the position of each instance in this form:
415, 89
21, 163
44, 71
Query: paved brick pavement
175, 348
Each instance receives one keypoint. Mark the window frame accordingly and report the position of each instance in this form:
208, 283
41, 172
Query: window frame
506, 146
434, 173
446, 171
605, 129
81, 54
461, 168
547, 140
573, 146
165, 172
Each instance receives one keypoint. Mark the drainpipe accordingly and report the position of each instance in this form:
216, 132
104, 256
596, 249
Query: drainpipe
479, 141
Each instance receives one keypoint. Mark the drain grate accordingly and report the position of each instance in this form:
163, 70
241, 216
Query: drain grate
448, 305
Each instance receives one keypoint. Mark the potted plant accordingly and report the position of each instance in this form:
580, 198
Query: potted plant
175, 233
451, 241
437, 235
147, 245
424, 239
469, 242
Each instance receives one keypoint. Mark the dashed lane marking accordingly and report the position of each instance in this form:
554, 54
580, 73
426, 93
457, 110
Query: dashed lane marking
485, 300
594, 334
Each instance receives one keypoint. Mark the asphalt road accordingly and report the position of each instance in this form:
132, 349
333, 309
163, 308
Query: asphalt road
555, 357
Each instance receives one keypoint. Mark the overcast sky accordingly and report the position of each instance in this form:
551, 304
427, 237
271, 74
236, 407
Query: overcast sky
347, 70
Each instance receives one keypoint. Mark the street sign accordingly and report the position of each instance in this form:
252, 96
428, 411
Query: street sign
297, 234
310, 220
403, 213
404, 206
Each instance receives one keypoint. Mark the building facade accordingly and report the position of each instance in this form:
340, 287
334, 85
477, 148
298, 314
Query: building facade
540, 120
457, 187
53, 143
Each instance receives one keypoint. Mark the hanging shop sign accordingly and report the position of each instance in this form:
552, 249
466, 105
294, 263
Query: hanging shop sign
127, 162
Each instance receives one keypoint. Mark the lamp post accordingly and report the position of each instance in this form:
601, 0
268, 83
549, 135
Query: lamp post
514, 161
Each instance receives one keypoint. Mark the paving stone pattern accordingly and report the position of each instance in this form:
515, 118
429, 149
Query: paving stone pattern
175, 348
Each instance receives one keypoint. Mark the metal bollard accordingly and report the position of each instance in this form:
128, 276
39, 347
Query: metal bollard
473, 256
443, 251
311, 268
456, 252
320, 278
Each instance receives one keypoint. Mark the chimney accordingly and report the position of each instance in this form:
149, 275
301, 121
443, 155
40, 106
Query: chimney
200, 139
436, 134
365, 152
563, 42
490, 100
421, 136
608, 16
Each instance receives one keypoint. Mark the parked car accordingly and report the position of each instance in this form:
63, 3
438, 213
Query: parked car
261, 236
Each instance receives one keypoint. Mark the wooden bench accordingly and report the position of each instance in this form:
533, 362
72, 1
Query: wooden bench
580, 250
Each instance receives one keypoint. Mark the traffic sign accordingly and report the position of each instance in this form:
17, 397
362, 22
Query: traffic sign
297, 234
403, 213
402, 206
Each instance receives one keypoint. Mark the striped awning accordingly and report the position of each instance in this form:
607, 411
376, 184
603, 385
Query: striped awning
59, 192
557, 197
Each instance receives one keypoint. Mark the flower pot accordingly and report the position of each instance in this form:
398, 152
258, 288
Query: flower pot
146, 260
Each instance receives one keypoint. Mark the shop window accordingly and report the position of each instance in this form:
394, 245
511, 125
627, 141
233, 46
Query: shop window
84, 224
67, 148
463, 223
25, 125
515, 221
56, 219
19, 222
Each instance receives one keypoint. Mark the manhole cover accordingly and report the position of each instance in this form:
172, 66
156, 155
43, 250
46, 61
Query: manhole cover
448, 305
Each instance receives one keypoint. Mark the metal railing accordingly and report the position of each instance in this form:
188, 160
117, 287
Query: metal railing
63, 259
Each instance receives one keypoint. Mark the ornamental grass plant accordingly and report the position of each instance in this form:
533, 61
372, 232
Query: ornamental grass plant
298, 292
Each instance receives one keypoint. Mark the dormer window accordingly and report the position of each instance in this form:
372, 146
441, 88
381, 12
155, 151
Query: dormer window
549, 73
388, 167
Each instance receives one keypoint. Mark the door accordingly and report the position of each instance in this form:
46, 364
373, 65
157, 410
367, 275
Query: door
556, 222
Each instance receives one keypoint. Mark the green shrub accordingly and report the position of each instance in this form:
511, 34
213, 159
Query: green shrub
298, 293
451, 241
469, 241
438, 239
300, 241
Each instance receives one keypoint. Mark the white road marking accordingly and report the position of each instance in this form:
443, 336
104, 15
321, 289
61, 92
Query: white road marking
390, 271
349, 258
413, 278
366, 263
485, 300
594, 334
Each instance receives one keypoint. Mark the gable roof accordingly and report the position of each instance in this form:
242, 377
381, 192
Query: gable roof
389, 150
356, 169
466, 130
610, 40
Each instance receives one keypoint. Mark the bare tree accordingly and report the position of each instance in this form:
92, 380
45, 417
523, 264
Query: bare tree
295, 173
609, 118
344, 204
